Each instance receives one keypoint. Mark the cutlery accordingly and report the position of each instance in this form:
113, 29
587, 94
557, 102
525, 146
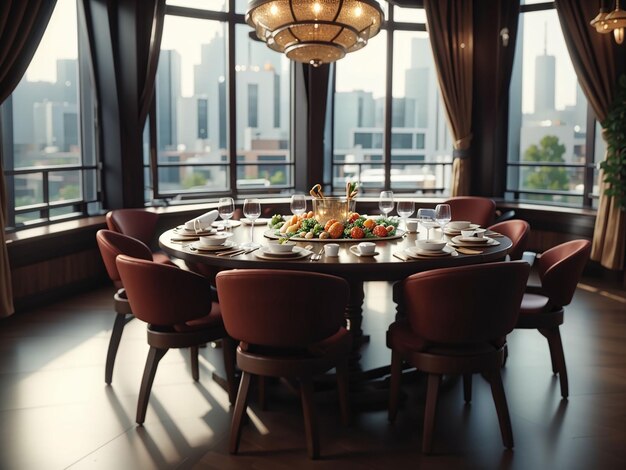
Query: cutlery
230, 252
244, 252
400, 256
317, 256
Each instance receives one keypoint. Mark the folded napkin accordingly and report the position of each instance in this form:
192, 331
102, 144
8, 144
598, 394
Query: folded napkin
202, 222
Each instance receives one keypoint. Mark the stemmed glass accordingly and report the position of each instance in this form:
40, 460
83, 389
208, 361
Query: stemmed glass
252, 211
226, 209
298, 204
385, 202
427, 219
443, 216
405, 209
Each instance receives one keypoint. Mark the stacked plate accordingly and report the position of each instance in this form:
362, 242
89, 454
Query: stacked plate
211, 248
266, 253
454, 232
182, 234
474, 241
419, 253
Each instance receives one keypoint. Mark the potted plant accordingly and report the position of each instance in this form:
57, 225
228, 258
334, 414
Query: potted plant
614, 166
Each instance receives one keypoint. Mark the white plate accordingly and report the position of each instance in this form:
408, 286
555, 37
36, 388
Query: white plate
276, 254
355, 251
182, 231
415, 252
220, 224
491, 242
453, 231
259, 221
473, 240
197, 246
297, 253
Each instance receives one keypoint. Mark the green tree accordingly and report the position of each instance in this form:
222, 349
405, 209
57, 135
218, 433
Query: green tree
551, 178
194, 179
71, 191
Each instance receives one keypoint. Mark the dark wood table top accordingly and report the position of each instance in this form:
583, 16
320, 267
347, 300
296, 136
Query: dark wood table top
383, 266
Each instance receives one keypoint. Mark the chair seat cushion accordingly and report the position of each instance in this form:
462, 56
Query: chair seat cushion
210, 321
401, 338
533, 304
335, 345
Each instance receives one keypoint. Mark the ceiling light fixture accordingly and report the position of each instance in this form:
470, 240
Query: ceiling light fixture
315, 31
614, 21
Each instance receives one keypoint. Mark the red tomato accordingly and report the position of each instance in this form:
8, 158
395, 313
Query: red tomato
353, 216
380, 231
357, 232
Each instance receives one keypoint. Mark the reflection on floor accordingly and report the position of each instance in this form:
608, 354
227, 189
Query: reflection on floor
56, 411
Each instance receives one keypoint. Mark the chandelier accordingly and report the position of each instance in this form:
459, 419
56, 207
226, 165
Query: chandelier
614, 21
315, 31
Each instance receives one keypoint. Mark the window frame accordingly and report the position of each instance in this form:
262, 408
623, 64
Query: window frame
88, 139
588, 166
232, 20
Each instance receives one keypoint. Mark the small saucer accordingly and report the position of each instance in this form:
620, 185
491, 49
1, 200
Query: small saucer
355, 251
198, 247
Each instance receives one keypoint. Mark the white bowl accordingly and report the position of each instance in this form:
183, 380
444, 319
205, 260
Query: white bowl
284, 247
213, 240
468, 233
430, 245
459, 224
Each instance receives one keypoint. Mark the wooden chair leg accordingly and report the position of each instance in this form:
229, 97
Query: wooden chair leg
262, 397
343, 383
195, 368
432, 392
499, 398
229, 347
557, 345
394, 385
240, 411
467, 387
310, 418
114, 343
152, 362
548, 333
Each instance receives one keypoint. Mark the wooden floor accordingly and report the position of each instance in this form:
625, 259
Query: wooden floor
56, 411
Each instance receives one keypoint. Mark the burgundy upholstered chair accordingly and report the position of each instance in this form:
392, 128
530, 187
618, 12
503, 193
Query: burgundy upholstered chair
517, 230
177, 306
112, 244
137, 223
284, 336
559, 270
461, 334
478, 210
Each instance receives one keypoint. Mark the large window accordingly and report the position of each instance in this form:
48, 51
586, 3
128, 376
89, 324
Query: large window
221, 126
389, 123
549, 159
49, 160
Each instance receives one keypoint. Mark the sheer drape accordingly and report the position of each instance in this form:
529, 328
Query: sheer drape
451, 39
597, 60
22, 24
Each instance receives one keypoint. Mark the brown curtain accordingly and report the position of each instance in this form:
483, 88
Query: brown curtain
597, 60
451, 39
22, 24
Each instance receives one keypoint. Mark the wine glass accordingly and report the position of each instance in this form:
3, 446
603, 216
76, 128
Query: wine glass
443, 215
427, 219
252, 211
226, 209
298, 204
405, 209
385, 202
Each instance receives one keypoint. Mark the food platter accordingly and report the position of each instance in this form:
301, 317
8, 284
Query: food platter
399, 233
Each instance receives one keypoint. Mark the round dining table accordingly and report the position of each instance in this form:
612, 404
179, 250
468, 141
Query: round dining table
389, 264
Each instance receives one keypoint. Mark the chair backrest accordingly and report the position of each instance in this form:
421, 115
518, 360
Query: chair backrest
478, 210
112, 244
467, 304
283, 309
136, 223
517, 230
164, 295
560, 269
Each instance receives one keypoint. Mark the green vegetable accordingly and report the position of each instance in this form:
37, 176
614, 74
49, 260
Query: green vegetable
276, 221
